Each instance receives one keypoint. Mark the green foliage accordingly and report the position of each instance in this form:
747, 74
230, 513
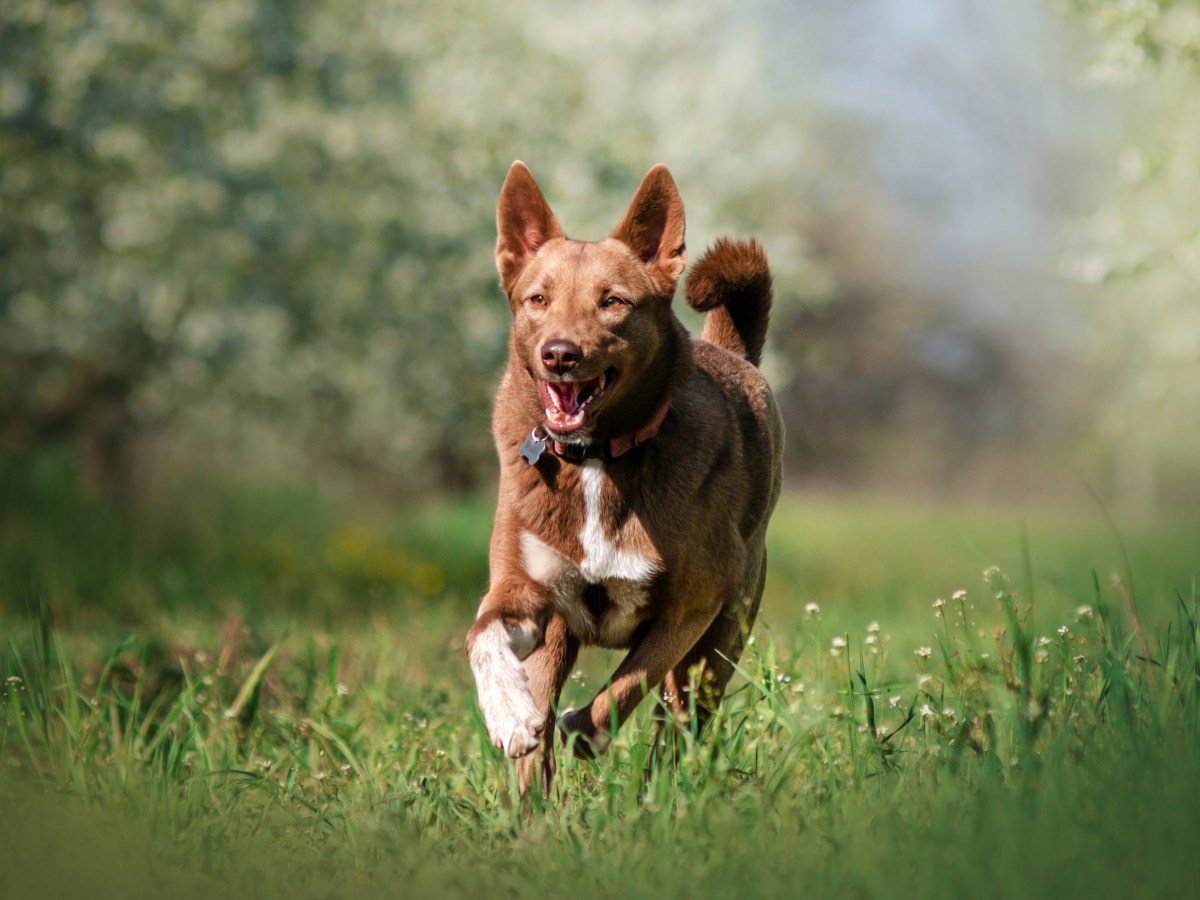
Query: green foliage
264, 229
1032, 732
1136, 255
220, 209
248, 548
267, 226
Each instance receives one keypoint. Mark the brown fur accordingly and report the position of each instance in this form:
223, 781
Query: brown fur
684, 513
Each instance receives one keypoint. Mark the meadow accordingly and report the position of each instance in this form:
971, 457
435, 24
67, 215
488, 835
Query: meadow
249, 689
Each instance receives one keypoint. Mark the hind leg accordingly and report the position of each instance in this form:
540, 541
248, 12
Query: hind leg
547, 669
692, 691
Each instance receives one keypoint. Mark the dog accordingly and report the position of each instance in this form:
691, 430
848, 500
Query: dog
638, 471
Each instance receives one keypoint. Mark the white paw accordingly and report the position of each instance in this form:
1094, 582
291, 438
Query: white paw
514, 722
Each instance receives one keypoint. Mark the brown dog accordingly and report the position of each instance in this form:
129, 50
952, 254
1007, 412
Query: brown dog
638, 469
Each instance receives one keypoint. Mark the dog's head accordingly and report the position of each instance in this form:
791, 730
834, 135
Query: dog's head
590, 319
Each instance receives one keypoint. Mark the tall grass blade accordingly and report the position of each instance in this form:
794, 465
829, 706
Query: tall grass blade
246, 702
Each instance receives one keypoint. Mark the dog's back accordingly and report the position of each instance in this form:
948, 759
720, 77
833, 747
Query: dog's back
732, 285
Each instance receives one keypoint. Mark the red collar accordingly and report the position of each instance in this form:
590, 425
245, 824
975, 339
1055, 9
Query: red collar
539, 440
618, 446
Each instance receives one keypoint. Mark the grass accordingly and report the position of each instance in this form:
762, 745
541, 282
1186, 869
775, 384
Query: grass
256, 692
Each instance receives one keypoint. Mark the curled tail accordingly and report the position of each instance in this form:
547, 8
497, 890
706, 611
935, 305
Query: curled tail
732, 284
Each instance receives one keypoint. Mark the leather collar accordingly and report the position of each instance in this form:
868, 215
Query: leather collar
539, 441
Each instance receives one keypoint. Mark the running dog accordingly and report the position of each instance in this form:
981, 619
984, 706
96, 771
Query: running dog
638, 469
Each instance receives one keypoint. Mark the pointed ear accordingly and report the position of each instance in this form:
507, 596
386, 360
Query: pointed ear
653, 226
524, 221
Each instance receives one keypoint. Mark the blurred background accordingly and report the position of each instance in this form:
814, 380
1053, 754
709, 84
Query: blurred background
250, 327
252, 239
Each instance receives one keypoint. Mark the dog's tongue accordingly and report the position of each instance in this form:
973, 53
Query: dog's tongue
565, 403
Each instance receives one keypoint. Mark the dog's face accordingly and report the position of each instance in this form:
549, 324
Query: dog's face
589, 318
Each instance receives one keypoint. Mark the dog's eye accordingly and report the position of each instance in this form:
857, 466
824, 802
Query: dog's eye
538, 300
610, 300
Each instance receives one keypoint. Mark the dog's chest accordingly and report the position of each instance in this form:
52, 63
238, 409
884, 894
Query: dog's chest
603, 594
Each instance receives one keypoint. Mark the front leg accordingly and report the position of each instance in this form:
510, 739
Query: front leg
508, 628
660, 649
547, 669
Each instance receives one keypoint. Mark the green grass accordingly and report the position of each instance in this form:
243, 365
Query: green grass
255, 692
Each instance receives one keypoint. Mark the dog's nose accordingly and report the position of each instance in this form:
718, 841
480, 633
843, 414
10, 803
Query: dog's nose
561, 356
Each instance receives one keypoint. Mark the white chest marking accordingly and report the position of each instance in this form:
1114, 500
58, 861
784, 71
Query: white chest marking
602, 559
624, 575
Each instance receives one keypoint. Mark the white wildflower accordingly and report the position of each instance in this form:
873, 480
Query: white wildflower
959, 596
873, 628
894, 701
837, 645
924, 652
927, 711
812, 609
1085, 611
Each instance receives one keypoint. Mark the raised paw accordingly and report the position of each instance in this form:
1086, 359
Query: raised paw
514, 723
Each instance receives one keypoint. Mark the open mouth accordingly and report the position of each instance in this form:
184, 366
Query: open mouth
567, 402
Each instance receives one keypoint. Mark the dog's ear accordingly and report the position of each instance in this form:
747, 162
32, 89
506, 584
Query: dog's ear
524, 221
653, 226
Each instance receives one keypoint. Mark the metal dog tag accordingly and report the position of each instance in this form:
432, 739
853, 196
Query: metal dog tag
533, 447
